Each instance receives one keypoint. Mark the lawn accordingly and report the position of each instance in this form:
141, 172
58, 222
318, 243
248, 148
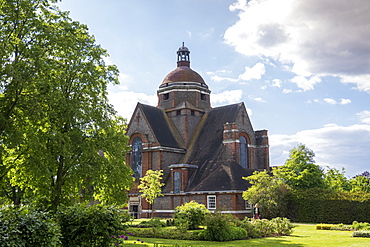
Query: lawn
303, 235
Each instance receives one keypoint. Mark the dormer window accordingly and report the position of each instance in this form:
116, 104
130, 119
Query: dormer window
166, 96
202, 96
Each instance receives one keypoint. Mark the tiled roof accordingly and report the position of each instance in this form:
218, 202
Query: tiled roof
157, 120
214, 172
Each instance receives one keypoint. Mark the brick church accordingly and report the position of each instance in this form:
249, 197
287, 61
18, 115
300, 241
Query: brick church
203, 151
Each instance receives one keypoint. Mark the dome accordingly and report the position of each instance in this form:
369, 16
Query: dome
183, 74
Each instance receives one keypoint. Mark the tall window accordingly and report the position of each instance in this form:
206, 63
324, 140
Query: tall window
211, 202
176, 182
137, 146
243, 151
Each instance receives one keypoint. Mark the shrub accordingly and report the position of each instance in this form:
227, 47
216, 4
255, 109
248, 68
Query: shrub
360, 226
219, 229
84, 225
153, 222
282, 226
26, 226
325, 227
190, 215
165, 232
362, 234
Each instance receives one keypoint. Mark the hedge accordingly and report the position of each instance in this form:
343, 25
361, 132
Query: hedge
319, 205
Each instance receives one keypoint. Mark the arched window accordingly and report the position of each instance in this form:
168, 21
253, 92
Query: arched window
243, 151
137, 146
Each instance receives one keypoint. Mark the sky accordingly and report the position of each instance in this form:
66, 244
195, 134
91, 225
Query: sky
301, 67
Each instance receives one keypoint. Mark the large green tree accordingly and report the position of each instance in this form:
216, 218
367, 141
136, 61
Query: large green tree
60, 138
300, 170
268, 192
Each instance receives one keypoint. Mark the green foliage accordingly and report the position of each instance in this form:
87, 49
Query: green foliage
324, 226
49, 152
218, 228
89, 226
267, 228
327, 206
190, 215
360, 226
153, 222
336, 180
361, 234
300, 171
26, 226
269, 192
165, 232
360, 183
150, 185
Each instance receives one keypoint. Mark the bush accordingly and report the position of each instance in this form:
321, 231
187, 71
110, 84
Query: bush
84, 225
165, 232
219, 229
190, 215
325, 227
362, 234
360, 226
26, 226
265, 228
153, 222
282, 226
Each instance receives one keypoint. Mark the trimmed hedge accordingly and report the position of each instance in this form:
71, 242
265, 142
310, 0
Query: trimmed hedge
320, 205
361, 234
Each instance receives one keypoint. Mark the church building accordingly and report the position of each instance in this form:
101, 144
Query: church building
204, 151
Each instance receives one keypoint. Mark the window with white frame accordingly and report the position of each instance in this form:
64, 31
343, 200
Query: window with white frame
211, 202
248, 205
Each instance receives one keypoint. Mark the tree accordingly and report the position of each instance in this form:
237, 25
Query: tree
60, 138
335, 180
360, 182
300, 171
150, 185
268, 191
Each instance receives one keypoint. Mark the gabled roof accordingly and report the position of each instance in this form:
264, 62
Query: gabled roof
209, 139
215, 173
157, 120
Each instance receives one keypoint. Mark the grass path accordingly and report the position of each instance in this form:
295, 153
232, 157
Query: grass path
303, 235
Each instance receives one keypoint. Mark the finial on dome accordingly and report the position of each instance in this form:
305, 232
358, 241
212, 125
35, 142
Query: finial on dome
183, 58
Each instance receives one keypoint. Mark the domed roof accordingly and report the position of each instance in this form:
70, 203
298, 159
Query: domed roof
183, 74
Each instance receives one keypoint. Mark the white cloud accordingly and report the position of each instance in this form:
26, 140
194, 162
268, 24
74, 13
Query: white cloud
362, 81
254, 72
276, 83
227, 97
330, 101
259, 99
334, 102
124, 101
364, 117
335, 146
304, 83
287, 90
326, 37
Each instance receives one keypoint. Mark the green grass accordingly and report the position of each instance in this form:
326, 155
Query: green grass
303, 235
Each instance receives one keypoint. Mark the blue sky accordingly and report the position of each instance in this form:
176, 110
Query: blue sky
301, 67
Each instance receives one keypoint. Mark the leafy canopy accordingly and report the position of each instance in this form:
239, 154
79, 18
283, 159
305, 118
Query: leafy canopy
150, 185
300, 170
60, 139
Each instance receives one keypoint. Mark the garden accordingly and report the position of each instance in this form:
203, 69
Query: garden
192, 225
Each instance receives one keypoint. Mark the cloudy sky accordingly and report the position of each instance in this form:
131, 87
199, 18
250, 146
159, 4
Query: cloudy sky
301, 67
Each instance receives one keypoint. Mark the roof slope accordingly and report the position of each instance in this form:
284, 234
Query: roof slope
209, 139
214, 172
158, 122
